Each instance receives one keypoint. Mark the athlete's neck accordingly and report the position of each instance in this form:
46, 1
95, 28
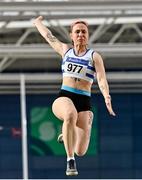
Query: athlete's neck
80, 49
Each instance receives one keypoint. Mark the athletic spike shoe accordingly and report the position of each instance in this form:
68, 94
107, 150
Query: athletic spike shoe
71, 168
60, 138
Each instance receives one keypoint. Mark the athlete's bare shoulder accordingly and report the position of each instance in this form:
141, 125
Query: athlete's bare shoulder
66, 47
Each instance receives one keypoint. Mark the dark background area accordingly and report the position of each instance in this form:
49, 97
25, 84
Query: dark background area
119, 141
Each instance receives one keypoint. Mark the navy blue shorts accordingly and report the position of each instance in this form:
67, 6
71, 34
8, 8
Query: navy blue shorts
81, 102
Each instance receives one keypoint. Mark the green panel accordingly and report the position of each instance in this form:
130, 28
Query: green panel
45, 128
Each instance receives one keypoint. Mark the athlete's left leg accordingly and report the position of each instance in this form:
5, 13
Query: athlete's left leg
83, 132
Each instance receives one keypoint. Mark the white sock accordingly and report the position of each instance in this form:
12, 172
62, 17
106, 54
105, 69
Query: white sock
69, 158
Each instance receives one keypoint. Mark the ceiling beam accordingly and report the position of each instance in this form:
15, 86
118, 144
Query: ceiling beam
69, 9
70, 5
32, 51
49, 83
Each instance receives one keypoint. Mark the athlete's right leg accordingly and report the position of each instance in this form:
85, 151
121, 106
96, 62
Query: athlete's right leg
64, 109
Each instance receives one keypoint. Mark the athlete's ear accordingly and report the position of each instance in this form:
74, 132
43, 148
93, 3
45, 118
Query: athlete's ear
71, 36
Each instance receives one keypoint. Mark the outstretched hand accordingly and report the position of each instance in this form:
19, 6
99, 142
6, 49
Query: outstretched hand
39, 18
109, 106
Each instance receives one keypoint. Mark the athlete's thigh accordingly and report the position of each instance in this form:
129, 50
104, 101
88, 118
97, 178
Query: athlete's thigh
62, 106
85, 119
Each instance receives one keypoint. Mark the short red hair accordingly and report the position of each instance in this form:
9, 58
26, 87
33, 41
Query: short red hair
77, 22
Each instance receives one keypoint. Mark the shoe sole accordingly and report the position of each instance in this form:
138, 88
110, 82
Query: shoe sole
73, 173
60, 138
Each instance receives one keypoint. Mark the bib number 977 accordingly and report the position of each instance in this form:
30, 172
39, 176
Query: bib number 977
74, 68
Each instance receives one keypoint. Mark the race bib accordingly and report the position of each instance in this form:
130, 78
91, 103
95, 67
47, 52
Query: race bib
74, 68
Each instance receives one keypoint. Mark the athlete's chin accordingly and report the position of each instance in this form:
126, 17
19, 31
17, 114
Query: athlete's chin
81, 43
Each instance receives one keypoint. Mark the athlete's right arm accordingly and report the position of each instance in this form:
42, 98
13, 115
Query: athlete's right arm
57, 45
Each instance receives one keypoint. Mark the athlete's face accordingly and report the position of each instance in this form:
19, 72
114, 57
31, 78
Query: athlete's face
79, 34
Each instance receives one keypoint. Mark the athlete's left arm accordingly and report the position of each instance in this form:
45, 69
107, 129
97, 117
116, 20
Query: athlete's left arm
102, 81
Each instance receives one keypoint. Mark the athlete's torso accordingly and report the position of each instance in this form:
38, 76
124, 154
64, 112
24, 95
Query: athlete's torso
79, 67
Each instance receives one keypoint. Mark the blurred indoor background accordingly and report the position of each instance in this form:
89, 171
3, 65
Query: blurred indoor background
115, 29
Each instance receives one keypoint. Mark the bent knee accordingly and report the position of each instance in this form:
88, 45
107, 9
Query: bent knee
80, 153
81, 149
